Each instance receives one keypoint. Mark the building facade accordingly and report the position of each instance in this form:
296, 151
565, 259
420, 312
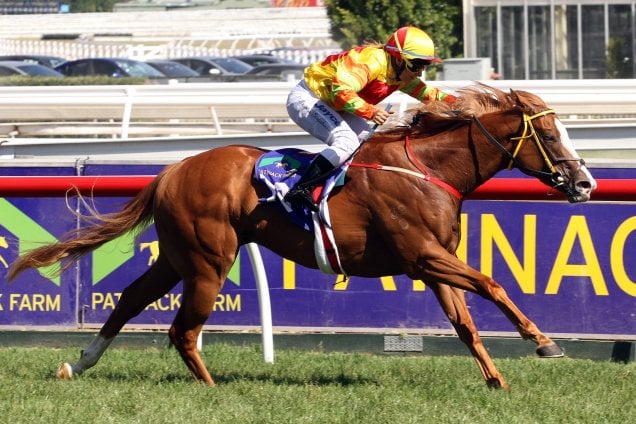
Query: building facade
553, 39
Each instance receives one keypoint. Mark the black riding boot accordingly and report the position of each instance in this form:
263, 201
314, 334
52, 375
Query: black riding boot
317, 171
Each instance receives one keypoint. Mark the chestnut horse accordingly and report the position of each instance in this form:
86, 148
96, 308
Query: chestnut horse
207, 206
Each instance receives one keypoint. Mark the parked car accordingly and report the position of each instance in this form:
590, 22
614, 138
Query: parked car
211, 65
262, 59
112, 67
282, 70
48, 61
172, 69
17, 67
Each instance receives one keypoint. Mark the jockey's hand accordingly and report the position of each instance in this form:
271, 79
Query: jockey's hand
380, 116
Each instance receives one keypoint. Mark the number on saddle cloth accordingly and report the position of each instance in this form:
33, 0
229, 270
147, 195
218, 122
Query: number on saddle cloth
280, 170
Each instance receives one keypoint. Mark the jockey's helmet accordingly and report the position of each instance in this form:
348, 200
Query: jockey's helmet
411, 44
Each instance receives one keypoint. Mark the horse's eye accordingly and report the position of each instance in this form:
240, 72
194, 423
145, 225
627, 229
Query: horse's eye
550, 137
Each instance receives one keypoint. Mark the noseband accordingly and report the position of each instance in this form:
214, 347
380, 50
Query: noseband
558, 182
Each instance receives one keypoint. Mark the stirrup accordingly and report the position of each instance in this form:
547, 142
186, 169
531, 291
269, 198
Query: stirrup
301, 195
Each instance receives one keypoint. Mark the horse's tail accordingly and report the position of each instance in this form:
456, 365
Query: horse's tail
136, 215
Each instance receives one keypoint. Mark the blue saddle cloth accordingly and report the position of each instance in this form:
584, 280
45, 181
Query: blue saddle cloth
280, 170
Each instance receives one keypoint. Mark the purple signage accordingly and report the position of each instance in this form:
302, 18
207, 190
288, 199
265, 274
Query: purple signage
37, 298
570, 268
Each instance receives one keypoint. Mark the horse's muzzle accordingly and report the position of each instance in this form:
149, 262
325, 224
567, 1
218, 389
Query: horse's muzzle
579, 189
577, 184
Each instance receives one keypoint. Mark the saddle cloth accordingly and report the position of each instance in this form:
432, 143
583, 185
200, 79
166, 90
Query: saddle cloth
280, 170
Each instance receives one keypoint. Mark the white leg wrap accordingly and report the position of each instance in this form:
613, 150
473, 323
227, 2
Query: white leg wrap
91, 354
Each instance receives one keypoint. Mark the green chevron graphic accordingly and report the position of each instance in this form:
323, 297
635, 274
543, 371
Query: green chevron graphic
117, 252
110, 256
30, 233
106, 259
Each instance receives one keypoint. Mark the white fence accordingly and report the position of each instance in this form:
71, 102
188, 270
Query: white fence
595, 110
180, 109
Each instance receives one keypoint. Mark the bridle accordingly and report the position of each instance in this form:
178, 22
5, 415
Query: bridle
554, 176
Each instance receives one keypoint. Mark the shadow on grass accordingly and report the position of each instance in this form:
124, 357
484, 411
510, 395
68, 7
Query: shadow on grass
339, 379
227, 378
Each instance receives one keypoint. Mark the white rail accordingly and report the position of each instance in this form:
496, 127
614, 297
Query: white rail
226, 109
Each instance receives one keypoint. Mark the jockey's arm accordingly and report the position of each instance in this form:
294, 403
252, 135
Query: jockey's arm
424, 93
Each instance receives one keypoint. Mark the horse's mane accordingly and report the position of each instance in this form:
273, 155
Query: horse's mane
434, 117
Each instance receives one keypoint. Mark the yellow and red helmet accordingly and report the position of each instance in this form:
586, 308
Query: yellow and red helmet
410, 43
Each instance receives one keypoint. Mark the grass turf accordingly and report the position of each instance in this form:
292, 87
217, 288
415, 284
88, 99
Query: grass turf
153, 386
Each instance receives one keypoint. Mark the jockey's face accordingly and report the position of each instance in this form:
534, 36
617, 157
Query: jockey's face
408, 71
408, 75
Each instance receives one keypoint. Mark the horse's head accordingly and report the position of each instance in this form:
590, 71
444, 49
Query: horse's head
543, 149
536, 142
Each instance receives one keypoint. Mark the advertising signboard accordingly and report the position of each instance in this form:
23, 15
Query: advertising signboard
570, 268
25, 223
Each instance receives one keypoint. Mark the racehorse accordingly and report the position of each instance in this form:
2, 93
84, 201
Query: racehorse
397, 213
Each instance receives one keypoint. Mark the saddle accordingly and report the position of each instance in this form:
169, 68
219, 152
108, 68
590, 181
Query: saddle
280, 170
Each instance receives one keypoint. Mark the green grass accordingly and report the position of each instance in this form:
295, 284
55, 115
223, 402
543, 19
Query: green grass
153, 386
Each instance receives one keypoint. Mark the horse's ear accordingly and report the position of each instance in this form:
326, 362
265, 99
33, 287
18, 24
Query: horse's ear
515, 97
516, 100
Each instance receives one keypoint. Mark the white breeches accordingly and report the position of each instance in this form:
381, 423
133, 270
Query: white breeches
342, 132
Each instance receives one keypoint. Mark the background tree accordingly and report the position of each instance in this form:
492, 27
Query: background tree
354, 22
79, 6
618, 59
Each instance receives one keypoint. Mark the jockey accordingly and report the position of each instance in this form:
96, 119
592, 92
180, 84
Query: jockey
339, 95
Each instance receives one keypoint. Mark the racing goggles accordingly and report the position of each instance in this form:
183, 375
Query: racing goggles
417, 65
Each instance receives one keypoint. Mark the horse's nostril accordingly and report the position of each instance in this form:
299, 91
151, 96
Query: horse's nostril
583, 186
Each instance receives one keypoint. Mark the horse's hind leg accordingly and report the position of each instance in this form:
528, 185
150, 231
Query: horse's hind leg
205, 268
453, 302
158, 280
199, 295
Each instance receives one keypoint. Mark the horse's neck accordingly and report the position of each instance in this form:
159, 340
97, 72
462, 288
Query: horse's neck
479, 158
461, 157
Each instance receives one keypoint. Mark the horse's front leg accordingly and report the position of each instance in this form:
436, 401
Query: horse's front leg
446, 268
158, 280
453, 303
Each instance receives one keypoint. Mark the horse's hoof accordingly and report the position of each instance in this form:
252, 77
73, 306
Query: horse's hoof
64, 372
550, 351
496, 383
